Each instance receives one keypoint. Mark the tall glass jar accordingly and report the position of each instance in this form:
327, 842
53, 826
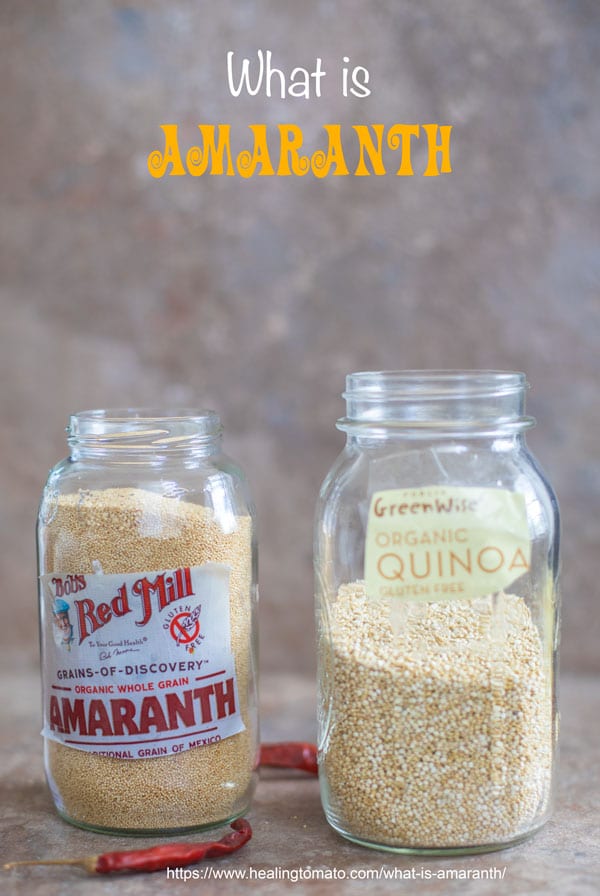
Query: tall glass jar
147, 586
436, 557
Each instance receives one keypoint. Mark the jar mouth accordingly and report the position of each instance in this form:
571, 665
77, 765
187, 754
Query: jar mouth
433, 383
437, 401
142, 429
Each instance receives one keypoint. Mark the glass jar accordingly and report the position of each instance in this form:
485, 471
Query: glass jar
436, 558
147, 586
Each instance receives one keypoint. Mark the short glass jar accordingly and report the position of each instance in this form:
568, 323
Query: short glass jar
147, 575
436, 559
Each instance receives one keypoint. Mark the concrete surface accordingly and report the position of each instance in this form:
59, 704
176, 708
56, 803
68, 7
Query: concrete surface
290, 831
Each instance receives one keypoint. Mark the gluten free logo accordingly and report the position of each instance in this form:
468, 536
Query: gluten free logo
184, 628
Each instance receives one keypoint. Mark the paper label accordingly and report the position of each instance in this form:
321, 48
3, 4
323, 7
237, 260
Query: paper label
443, 542
139, 665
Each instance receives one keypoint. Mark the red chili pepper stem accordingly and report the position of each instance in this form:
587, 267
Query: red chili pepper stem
89, 863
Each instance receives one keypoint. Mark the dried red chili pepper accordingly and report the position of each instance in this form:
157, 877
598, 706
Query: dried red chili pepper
157, 858
290, 754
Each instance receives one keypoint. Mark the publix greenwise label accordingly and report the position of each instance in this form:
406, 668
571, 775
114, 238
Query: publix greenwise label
138, 665
442, 542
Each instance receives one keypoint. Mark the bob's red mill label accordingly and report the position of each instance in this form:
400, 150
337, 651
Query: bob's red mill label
140, 664
442, 542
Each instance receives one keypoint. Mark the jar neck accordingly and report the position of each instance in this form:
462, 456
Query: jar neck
396, 440
426, 405
143, 436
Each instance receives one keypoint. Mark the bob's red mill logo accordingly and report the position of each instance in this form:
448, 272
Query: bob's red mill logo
146, 595
360, 150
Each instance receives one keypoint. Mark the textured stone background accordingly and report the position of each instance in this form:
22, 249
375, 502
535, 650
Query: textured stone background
257, 297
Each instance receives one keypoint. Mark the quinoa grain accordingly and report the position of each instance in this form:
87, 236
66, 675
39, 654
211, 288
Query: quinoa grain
440, 732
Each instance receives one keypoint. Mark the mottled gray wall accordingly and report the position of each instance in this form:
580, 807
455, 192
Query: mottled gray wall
257, 297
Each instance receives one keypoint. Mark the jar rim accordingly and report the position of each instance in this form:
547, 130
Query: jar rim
143, 429
436, 402
433, 382
144, 413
